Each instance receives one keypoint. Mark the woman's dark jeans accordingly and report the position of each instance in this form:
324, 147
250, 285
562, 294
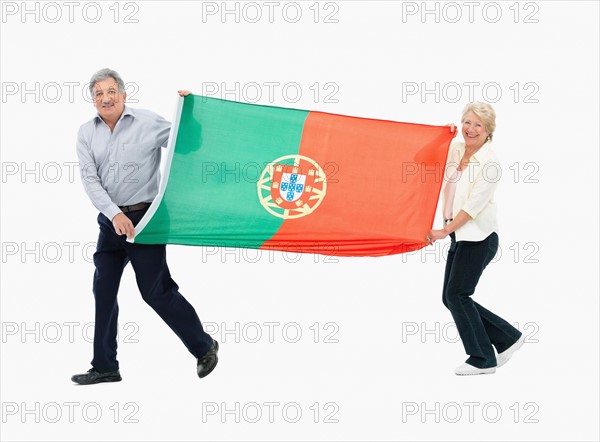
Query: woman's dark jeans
478, 328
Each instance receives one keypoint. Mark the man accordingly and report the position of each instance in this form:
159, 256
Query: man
119, 156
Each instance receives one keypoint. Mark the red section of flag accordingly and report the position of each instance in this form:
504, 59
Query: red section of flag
383, 185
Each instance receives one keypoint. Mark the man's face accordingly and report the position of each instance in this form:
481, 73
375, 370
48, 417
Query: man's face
108, 100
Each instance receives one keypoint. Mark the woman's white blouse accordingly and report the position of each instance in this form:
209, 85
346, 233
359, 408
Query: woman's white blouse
472, 190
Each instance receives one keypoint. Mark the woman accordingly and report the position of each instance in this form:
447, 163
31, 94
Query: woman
470, 220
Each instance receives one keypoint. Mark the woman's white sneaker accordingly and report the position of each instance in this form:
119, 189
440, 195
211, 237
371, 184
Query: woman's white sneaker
468, 369
503, 357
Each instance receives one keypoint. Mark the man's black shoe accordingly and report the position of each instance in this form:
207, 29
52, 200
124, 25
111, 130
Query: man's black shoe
208, 362
94, 377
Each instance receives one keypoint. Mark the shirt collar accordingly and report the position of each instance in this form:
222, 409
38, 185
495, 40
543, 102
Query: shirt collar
482, 154
126, 111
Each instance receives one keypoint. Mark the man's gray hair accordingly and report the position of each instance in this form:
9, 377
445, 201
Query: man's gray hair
105, 74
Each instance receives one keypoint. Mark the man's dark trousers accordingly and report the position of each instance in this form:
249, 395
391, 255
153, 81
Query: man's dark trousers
154, 281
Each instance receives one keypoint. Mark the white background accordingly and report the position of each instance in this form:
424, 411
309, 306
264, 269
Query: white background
382, 366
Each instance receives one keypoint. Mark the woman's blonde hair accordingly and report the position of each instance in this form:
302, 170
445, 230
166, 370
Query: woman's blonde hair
486, 114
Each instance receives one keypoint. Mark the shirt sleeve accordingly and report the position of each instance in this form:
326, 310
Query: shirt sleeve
91, 181
452, 162
481, 193
163, 130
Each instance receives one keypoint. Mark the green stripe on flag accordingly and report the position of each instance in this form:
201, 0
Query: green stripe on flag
232, 142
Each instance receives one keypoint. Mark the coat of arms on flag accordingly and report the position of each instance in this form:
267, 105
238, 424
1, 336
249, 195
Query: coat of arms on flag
292, 186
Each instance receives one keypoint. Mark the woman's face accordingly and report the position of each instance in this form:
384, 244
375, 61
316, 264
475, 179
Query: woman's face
474, 131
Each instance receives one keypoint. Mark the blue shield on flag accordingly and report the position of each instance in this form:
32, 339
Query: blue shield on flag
292, 186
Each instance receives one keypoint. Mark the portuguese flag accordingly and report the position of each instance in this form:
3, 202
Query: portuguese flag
264, 177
